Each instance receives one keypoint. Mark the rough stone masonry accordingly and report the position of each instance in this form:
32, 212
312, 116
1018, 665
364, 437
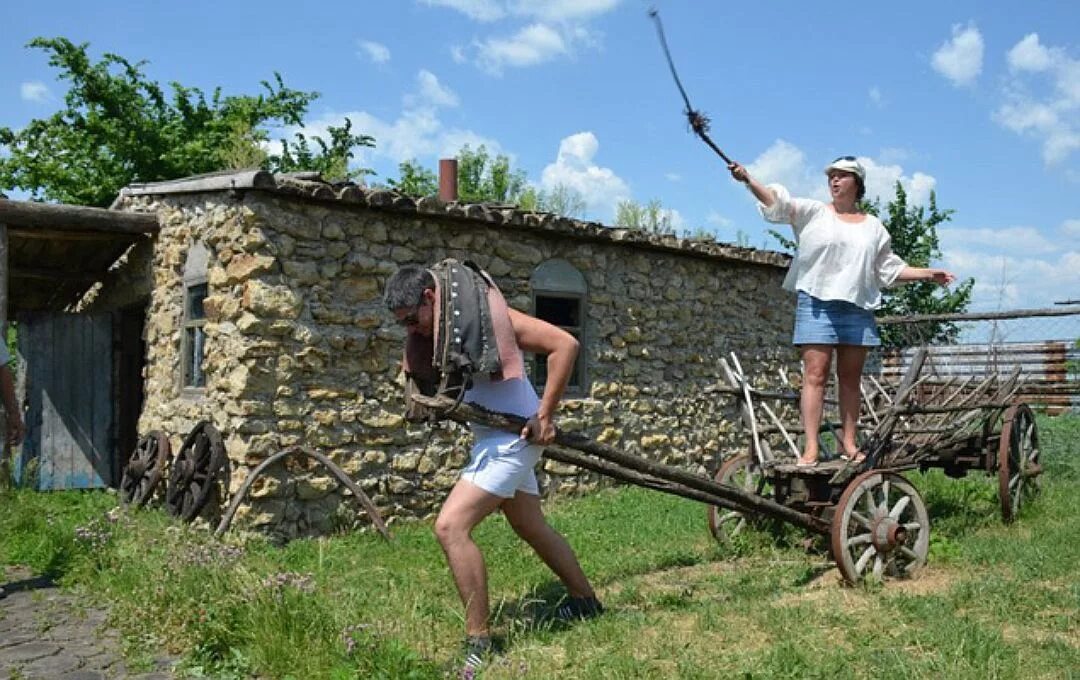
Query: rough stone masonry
300, 351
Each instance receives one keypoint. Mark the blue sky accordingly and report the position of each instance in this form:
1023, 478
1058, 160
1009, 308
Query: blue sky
978, 101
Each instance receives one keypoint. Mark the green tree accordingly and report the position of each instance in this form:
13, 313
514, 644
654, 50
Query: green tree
332, 158
119, 127
483, 179
415, 180
650, 217
914, 238
563, 200
560, 200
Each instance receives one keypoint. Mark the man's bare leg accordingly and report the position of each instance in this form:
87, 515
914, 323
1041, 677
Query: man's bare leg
527, 520
465, 507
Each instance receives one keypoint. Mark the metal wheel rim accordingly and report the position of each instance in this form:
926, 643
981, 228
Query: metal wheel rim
883, 502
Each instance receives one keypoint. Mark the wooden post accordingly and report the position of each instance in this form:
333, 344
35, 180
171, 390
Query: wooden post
3, 277
6, 450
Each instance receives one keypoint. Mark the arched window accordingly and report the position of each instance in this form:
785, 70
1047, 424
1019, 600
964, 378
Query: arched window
559, 297
193, 340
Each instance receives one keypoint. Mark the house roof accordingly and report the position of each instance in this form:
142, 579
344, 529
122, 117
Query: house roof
310, 186
57, 252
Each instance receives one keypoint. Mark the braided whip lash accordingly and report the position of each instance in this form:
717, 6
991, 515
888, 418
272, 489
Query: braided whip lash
699, 123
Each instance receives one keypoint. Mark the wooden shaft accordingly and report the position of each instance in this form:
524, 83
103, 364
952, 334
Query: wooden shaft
743, 500
564, 455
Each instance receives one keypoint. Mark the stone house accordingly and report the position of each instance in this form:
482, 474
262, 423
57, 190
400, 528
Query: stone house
262, 314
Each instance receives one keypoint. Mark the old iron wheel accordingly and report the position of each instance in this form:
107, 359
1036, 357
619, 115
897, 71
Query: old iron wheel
743, 472
880, 528
1018, 460
195, 472
144, 469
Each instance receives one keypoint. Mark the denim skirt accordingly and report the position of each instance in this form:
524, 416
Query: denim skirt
833, 322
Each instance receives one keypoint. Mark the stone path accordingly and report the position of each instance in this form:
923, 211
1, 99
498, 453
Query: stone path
47, 635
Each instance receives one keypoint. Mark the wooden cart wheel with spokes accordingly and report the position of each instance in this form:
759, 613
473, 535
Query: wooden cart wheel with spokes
145, 469
880, 528
1018, 460
200, 464
742, 472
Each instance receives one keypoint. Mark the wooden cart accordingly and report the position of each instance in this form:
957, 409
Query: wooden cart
875, 519
879, 525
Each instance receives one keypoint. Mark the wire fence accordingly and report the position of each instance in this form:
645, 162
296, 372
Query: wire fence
1041, 345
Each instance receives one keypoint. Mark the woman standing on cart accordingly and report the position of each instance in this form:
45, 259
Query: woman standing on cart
842, 262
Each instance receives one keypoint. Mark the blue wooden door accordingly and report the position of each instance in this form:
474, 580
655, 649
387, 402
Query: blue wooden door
67, 360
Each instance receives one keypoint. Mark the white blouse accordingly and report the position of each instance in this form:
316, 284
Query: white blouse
835, 260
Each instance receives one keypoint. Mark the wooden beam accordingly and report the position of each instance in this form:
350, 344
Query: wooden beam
44, 274
980, 316
62, 235
27, 215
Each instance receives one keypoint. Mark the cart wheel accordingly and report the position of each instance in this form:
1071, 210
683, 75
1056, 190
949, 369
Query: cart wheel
1018, 460
880, 528
743, 472
144, 469
195, 472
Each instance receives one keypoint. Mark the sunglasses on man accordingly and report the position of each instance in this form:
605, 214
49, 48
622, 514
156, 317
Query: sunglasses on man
410, 319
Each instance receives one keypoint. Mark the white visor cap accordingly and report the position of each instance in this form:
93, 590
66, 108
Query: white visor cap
847, 164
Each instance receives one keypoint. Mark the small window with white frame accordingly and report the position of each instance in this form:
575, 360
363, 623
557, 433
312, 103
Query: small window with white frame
193, 337
559, 297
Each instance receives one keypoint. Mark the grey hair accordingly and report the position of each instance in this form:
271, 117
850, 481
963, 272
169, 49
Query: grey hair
406, 286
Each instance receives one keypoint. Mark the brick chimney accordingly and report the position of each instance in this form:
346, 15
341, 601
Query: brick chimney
448, 179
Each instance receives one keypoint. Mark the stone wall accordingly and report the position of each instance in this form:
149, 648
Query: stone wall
299, 349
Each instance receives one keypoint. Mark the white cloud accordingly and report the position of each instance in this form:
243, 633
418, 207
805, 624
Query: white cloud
563, 10
1017, 241
376, 52
574, 167
417, 132
431, 93
875, 97
673, 176
1042, 98
674, 218
716, 219
786, 164
1014, 267
544, 31
1029, 55
547, 10
478, 10
893, 154
960, 58
881, 179
531, 45
34, 91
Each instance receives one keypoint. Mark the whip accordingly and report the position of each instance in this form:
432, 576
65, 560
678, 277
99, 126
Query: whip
699, 123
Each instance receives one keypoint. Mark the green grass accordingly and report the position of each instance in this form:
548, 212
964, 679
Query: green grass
995, 601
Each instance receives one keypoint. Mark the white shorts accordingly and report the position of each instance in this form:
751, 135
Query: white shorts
502, 463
